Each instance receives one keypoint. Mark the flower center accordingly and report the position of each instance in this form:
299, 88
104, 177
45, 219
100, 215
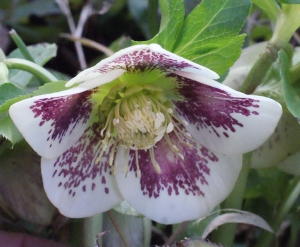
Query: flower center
137, 118
140, 123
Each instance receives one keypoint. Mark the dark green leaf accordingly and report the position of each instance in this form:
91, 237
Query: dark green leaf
290, 1
9, 91
172, 19
7, 127
212, 27
291, 90
138, 9
220, 58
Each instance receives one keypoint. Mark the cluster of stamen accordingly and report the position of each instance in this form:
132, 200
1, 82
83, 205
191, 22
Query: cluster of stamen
137, 123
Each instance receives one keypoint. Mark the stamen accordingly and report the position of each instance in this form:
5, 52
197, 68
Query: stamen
112, 153
100, 155
181, 156
116, 121
170, 127
125, 166
155, 164
138, 171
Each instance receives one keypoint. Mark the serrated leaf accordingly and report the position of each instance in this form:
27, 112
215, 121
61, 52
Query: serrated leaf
209, 28
243, 217
41, 53
220, 58
8, 130
172, 19
291, 90
9, 91
7, 127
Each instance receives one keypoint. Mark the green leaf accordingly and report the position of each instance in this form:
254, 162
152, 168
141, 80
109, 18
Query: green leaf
8, 130
138, 10
9, 91
41, 54
290, 1
172, 19
212, 27
291, 90
7, 127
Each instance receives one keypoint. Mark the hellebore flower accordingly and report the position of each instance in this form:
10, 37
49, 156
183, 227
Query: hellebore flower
148, 127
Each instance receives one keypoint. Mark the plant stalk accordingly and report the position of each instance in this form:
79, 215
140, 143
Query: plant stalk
266, 238
225, 234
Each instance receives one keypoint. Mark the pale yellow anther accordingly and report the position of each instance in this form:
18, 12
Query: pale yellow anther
116, 121
160, 116
188, 135
175, 148
180, 156
170, 127
157, 123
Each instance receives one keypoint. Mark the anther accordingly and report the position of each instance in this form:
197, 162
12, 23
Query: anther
185, 122
181, 156
116, 121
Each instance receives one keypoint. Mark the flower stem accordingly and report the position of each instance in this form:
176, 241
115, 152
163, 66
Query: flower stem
115, 223
270, 7
260, 68
91, 227
292, 195
21, 45
176, 234
225, 234
42, 74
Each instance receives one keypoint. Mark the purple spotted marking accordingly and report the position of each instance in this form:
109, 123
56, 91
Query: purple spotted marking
64, 112
145, 61
187, 175
205, 106
76, 168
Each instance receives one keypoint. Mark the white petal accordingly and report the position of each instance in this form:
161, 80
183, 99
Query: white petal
192, 68
185, 190
78, 183
95, 79
222, 119
140, 59
281, 144
52, 123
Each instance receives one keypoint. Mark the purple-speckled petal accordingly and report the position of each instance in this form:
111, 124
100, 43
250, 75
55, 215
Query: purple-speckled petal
52, 123
185, 190
221, 119
77, 182
140, 59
